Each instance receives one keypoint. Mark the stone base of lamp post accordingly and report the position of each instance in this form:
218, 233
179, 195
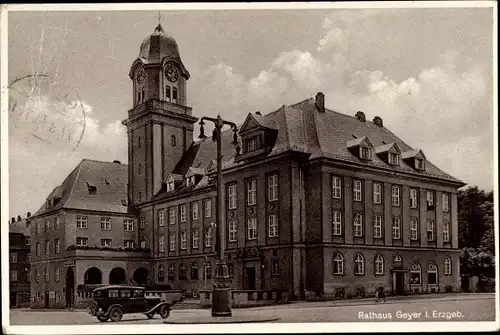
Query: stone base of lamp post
221, 294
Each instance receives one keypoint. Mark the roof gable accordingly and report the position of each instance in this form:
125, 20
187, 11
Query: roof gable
391, 148
360, 142
415, 153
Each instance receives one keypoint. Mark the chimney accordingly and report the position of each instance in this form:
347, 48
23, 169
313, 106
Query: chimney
28, 214
361, 116
378, 121
117, 162
18, 218
13, 220
320, 102
258, 113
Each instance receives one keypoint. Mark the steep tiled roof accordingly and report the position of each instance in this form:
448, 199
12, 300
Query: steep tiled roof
109, 179
20, 227
301, 127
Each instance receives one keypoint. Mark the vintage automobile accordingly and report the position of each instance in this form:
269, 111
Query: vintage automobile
112, 301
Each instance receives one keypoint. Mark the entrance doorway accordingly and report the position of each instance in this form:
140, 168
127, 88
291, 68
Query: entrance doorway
70, 287
46, 301
250, 278
13, 299
399, 283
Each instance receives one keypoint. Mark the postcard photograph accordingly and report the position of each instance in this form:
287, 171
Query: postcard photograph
293, 167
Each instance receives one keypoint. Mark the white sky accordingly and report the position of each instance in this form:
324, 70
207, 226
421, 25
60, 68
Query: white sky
426, 72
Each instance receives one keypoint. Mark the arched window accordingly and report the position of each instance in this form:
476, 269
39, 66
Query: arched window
379, 265
194, 271
167, 94
171, 271
143, 95
338, 264
174, 95
208, 270
447, 266
397, 259
415, 274
359, 265
432, 274
182, 271
173, 140
139, 142
161, 273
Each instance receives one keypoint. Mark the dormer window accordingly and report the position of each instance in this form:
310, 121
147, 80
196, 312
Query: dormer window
419, 164
170, 186
252, 144
364, 153
393, 159
190, 181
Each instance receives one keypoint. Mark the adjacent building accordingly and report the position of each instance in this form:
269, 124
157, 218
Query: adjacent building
315, 201
19, 262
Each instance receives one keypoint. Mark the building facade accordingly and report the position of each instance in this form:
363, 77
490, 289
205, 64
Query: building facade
19, 262
316, 202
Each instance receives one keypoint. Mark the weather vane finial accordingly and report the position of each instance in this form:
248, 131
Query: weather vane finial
159, 17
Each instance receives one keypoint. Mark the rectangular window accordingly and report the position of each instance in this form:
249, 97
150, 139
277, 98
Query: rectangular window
357, 190
419, 164
57, 275
358, 225
208, 208
395, 195
231, 194
183, 213
272, 187
161, 218
196, 238
13, 257
446, 232
336, 187
446, 203
57, 222
106, 242
173, 242
194, 210
396, 228
430, 230
430, 200
82, 241
208, 237
47, 247
377, 193
28, 241
170, 186
393, 159
173, 215
364, 152
129, 244
128, 225
13, 275
47, 224
252, 143
252, 228
337, 223
377, 226
251, 192
105, 223
414, 229
272, 221
413, 198
37, 250
161, 244
57, 245
142, 222
232, 231
183, 240
81, 222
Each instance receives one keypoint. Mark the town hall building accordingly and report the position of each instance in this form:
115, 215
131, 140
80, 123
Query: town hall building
316, 202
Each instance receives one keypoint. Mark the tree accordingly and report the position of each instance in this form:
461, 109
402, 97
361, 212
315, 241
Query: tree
471, 216
488, 239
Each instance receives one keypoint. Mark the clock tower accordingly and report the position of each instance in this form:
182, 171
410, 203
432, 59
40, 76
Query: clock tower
160, 124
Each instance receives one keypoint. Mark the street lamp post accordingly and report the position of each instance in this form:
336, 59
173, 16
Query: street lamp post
221, 287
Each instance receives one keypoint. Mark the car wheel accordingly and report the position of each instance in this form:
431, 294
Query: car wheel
102, 318
150, 315
116, 314
164, 311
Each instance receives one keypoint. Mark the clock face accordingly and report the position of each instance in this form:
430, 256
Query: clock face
171, 73
141, 76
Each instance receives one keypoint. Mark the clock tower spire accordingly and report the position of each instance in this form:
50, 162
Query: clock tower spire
160, 124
